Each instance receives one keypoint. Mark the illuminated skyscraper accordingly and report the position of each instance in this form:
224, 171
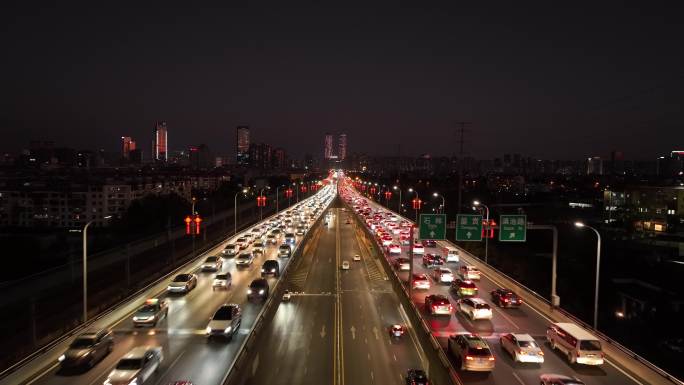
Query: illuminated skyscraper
328, 147
160, 145
242, 145
342, 147
127, 145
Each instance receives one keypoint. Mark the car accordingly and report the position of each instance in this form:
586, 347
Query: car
522, 348
230, 250
182, 283
225, 322
452, 255
472, 351
402, 264
222, 281
212, 263
277, 233
578, 344
242, 243
475, 308
258, 247
258, 289
87, 349
429, 243
244, 260
290, 238
416, 377
397, 330
505, 298
345, 265
418, 248
443, 275
284, 250
559, 379
151, 312
136, 367
394, 248
421, 281
386, 240
432, 260
287, 296
464, 288
270, 267
356, 258
272, 239
405, 240
438, 304
469, 272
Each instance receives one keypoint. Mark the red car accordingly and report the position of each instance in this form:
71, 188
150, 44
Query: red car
397, 330
506, 298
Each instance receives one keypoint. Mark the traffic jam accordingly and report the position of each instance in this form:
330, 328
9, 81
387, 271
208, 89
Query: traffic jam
475, 326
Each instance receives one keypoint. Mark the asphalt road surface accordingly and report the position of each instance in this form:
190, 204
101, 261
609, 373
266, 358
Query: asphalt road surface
335, 329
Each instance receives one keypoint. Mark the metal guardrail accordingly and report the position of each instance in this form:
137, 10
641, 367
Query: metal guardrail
565, 313
81, 327
270, 305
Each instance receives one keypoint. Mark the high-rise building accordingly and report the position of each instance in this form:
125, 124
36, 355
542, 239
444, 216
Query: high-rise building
260, 155
160, 145
342, 147
127, 145
328, 147
594, 166
242, 145
279, 158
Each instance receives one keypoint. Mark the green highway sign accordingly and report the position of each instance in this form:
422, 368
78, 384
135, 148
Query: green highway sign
432, 226
468, 227
513, 228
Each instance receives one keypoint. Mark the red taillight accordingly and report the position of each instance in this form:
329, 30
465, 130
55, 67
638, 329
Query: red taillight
469, 358
435, 307
505, 299
577, 354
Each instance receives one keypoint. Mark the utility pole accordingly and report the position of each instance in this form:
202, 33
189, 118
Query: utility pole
460, 126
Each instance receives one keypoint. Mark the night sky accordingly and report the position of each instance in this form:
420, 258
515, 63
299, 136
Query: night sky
549, 81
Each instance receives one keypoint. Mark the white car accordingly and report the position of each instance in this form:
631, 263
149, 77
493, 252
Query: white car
452, 255
522, 348
475, 308
231, 249
345, 265
258, 248
225, 322
394, 248
418, 248
470, 272
357, 257
443, 275
136, 367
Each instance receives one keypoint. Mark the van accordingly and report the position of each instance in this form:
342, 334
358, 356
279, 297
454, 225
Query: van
451, 254
579, 345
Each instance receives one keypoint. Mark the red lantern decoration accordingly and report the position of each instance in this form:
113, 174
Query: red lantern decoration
188, 220
416, 203
372, 190
198, 220
261, 201
303, 188
288, 193
388, 195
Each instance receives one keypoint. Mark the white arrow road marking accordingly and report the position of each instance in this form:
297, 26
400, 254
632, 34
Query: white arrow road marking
353, 332
376, 332
322, 333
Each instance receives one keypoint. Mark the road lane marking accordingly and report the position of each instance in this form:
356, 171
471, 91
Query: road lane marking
169, 368
499, 311
518, 378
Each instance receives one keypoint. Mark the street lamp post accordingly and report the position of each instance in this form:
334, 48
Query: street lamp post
85, 268
418, 198
555, 299
478, 203
443, 209
244, 191
261, 208
399, 205
598, 266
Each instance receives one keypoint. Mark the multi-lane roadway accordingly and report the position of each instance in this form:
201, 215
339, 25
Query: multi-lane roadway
334, 329
188, 354
521, 320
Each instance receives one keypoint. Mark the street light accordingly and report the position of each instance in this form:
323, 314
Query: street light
477, 203
598, 265
85, 267
416, 207
244, 191
399, 205
443, 209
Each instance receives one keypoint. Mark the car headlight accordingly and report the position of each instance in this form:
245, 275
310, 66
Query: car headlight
61, 358
262, 270
261, 291
249, 291
208, 330
169, 288
134, 381
272, 270
228, 329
